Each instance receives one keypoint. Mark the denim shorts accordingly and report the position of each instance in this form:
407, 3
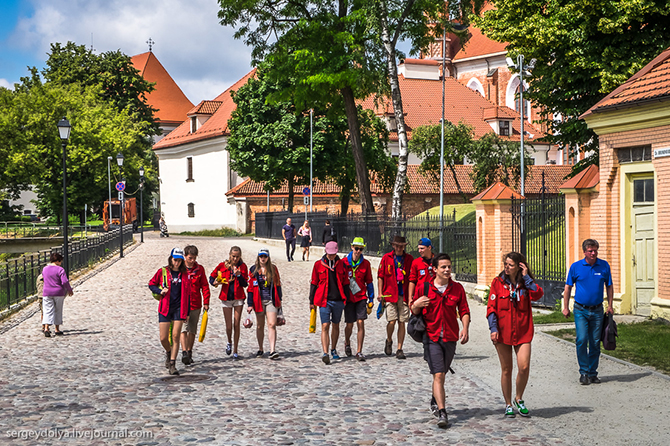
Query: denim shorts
332, 312
173, 315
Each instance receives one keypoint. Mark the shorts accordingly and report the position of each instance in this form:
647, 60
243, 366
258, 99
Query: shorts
173, 315
439, 355
332, 312
268, 307
232, 303
305, 243
354, 311
191, 325
393, 313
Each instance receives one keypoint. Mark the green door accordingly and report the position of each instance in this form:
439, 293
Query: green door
644, 254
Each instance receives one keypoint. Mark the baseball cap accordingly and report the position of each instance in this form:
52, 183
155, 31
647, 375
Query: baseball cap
264, 252
358, 241
425, 242
331, 248
177, 253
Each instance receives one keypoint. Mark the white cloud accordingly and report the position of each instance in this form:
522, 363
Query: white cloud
5, 83
200, 54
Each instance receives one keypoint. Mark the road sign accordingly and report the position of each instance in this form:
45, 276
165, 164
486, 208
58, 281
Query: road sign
120, 186
120, 196
305, 191
305, 200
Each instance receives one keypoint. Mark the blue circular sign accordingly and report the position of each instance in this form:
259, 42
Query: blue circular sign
120, 186
305, 191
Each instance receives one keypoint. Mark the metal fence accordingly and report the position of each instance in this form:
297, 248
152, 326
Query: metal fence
459, 237
17, 230
18, 276
539, 234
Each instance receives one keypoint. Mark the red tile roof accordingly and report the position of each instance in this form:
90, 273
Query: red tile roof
422, 105
171, 103
651, 83
586, 179
422, 62
205, 108
497, 191
215, 126
419, 184
479, 45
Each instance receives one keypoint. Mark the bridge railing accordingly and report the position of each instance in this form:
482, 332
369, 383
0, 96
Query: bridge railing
18, 230
18, 277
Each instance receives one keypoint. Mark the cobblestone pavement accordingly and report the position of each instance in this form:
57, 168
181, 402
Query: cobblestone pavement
106, 375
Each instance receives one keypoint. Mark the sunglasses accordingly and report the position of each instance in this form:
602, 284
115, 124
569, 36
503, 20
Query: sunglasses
356, 248
262, 255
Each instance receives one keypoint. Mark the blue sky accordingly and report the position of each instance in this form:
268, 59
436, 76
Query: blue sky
201, 55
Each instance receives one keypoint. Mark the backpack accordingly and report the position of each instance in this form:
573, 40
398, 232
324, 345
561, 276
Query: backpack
416, 327
163, 284
609, 333
40, 286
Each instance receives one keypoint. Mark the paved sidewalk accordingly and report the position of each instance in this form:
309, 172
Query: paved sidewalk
107, 374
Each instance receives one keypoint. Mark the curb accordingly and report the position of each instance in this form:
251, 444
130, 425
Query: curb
611, 358
6, 325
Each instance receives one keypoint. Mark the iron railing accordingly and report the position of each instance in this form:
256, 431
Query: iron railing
18, 230
18, 276
538, 232
459, 237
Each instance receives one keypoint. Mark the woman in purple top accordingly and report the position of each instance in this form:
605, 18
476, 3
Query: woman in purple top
56, 287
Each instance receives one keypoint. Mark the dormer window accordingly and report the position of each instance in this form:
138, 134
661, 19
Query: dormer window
391, 123
504, 127
194, 124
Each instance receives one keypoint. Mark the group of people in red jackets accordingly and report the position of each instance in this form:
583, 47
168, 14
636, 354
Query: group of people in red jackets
422, 286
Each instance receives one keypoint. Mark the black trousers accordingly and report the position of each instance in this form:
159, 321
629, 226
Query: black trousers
290, 246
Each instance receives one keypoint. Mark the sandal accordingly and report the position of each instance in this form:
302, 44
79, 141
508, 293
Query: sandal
59, 333
47, 333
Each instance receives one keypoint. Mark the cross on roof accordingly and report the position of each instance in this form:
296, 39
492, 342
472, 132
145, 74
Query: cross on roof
151, 43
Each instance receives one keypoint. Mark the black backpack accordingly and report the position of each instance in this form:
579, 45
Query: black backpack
416, 327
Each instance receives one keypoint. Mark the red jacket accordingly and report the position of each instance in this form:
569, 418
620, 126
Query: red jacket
421, 271
164, 302
320, 281
228, 277
363, 276
515, 318
387, 272
198, 278
254, 299
442, 313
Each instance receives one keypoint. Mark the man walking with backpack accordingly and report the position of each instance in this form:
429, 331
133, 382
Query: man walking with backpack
589, 276
441, 308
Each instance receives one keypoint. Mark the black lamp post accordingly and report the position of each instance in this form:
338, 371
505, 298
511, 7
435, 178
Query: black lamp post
141, 205
64, 132
119, 161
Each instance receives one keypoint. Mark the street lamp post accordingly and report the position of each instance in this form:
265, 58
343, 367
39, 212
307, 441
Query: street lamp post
64, 132
109, 187
311, 159
141, 205
119, 161
444, 67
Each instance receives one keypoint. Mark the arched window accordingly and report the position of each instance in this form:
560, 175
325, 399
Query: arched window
512, 97
474, 84
191, 210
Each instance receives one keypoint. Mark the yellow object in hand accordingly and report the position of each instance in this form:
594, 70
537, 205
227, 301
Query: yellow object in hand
203, 326
370, 306
312, 320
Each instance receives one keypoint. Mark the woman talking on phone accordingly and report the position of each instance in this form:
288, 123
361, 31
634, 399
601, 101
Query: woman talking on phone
510, 319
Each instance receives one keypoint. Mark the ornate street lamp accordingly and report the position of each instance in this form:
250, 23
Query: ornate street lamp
64, 132
119, 161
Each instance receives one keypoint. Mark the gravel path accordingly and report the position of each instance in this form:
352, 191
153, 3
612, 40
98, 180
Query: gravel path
106, 377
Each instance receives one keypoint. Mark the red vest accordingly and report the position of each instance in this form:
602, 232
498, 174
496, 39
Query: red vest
421, 271
164, 303
387, 272
515, 318
228, 276
444, 310
199, 283
254, 291
320, 279
363, 276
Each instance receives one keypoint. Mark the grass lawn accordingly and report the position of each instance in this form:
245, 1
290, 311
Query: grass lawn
465, 210
221, 232
644, 343
555, 317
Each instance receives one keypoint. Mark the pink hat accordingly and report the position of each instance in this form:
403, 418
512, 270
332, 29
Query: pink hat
331, 248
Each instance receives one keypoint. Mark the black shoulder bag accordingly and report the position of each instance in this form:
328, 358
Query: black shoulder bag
416, 327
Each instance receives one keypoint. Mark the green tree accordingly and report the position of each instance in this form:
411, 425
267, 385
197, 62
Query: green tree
584, 49
459, 144
497, 159
324, 47
270, 141
99, 130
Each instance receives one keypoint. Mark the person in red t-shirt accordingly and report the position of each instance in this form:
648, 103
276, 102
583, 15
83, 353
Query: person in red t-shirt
510, 319
441, 308
393, 286
422, 267
198, 277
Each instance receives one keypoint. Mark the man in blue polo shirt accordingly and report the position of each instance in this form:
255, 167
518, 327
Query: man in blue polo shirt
589, 276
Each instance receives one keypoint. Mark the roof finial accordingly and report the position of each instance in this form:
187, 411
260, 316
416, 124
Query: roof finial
151, 44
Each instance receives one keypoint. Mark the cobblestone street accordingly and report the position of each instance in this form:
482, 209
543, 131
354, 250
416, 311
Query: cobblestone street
107, 374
